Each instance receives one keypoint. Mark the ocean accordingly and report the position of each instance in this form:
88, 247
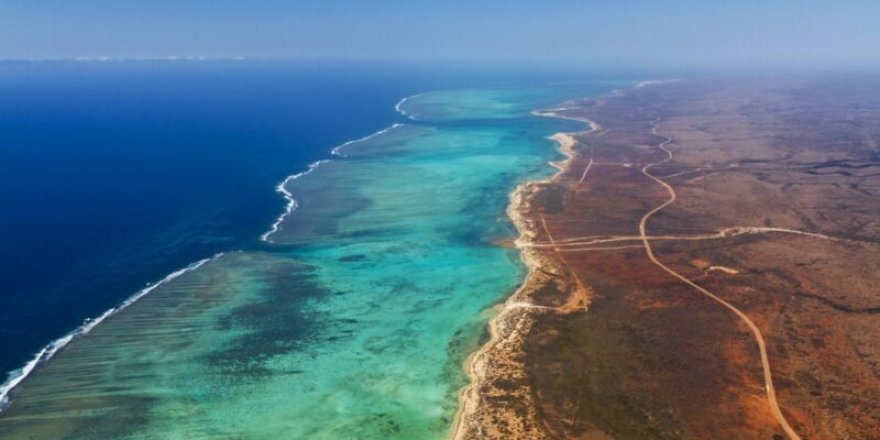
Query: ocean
329, 244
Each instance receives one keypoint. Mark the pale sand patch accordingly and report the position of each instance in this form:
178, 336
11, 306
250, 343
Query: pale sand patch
724, 269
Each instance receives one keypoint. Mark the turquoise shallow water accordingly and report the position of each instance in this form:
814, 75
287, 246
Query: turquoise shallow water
354, 325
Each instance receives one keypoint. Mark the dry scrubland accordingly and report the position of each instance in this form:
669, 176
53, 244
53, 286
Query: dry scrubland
603, 343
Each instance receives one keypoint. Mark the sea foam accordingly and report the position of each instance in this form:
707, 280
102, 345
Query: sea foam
291, 202
399, 106
337, 151
17, 376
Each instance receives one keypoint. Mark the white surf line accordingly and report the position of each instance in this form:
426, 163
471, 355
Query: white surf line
337, 151
756, 332
399, 106
16, 377
291, 202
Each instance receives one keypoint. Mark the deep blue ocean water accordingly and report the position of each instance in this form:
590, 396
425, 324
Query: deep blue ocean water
115, 174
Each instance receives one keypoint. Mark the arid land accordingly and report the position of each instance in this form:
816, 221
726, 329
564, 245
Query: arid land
705, 265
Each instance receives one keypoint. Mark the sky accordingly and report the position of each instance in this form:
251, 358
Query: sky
774, 33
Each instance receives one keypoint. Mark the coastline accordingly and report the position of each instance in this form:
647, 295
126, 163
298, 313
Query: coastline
637, 353
514, 315
546, 402
519, 200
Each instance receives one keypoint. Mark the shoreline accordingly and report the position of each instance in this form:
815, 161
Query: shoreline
519, 201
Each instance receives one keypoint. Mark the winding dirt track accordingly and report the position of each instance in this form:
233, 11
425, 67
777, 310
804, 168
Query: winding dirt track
768, 378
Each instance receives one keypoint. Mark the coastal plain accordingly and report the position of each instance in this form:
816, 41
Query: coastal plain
703, 266
353, 317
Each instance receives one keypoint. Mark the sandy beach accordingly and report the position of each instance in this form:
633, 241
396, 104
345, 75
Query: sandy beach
498, 366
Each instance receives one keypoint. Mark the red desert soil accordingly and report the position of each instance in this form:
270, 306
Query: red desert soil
703, 266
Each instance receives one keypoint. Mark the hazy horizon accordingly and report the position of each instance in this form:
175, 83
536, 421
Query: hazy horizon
639, 34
